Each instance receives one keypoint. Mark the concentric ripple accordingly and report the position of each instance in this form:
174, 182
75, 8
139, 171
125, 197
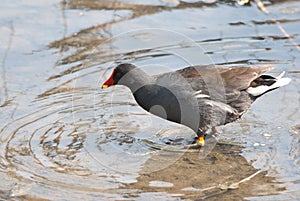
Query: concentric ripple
66, 145
78, 137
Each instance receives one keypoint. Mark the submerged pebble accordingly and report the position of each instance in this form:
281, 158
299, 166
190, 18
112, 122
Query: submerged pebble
190, 189
162, 184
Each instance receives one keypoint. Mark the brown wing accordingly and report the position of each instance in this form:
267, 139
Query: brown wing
221, 82
234, 78
240, 78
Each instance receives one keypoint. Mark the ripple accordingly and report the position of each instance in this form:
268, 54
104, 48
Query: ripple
71, 142
77, 140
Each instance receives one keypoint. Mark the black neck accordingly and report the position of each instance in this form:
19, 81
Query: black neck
136, 79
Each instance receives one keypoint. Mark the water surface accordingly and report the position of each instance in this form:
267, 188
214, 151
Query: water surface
62, 137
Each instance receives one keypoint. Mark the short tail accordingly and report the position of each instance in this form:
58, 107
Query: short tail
279, 82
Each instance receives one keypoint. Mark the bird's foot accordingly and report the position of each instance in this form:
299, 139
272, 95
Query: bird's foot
201, 141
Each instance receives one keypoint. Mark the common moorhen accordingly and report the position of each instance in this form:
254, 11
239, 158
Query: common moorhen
200, 97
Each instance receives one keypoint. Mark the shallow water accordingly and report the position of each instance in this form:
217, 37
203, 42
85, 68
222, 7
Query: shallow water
63, 138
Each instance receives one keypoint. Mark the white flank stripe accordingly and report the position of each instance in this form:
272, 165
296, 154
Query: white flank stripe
220, 105
202, 96
198, 94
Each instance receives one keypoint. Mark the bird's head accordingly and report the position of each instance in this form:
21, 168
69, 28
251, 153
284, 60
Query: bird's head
117, 73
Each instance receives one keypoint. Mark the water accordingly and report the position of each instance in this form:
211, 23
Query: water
60, 133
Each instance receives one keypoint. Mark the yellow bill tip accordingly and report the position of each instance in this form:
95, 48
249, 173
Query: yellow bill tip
104, 86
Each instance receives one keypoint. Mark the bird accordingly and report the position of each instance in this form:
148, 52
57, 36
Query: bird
200, 97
